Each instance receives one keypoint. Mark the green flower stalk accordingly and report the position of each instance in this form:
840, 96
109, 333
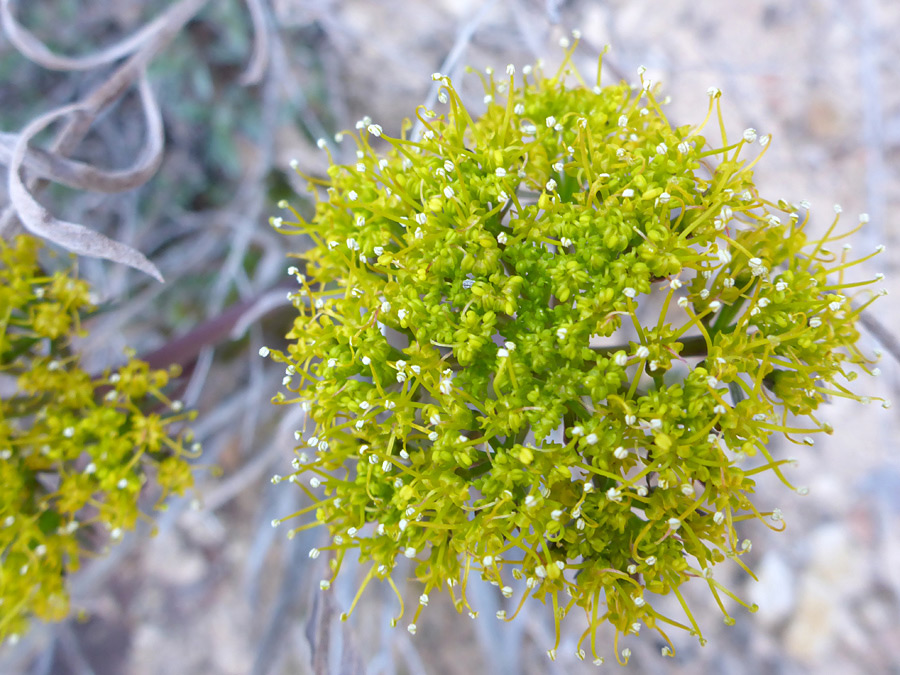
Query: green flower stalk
75, 451
538, 345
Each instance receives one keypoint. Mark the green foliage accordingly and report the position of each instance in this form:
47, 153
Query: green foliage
75, 451
468, 407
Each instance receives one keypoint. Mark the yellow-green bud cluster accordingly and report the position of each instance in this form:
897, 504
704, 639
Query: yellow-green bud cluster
471, 405
75, 451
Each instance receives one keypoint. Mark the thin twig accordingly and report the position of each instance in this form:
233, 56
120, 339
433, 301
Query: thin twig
872, 112
185, 349
73, 656
882, 333
463, 38
259, 59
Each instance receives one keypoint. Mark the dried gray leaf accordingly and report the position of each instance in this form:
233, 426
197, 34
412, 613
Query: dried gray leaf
71, 236
83, 176
35, 50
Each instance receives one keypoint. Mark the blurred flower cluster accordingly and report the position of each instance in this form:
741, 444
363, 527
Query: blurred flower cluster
75, 451
548, 346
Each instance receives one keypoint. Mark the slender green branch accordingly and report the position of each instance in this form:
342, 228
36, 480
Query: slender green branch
694, 345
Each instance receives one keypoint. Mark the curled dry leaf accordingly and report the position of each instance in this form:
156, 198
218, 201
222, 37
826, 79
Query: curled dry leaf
140, 46
39, 53
72, 236
83, 176
78, 175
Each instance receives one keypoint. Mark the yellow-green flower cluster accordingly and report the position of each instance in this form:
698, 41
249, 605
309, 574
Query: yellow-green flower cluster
536, 345
75, 451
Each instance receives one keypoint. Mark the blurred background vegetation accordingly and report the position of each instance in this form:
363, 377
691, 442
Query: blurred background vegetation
246, 87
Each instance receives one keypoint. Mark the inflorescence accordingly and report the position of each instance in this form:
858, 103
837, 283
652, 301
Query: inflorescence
471, 403
75, 451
